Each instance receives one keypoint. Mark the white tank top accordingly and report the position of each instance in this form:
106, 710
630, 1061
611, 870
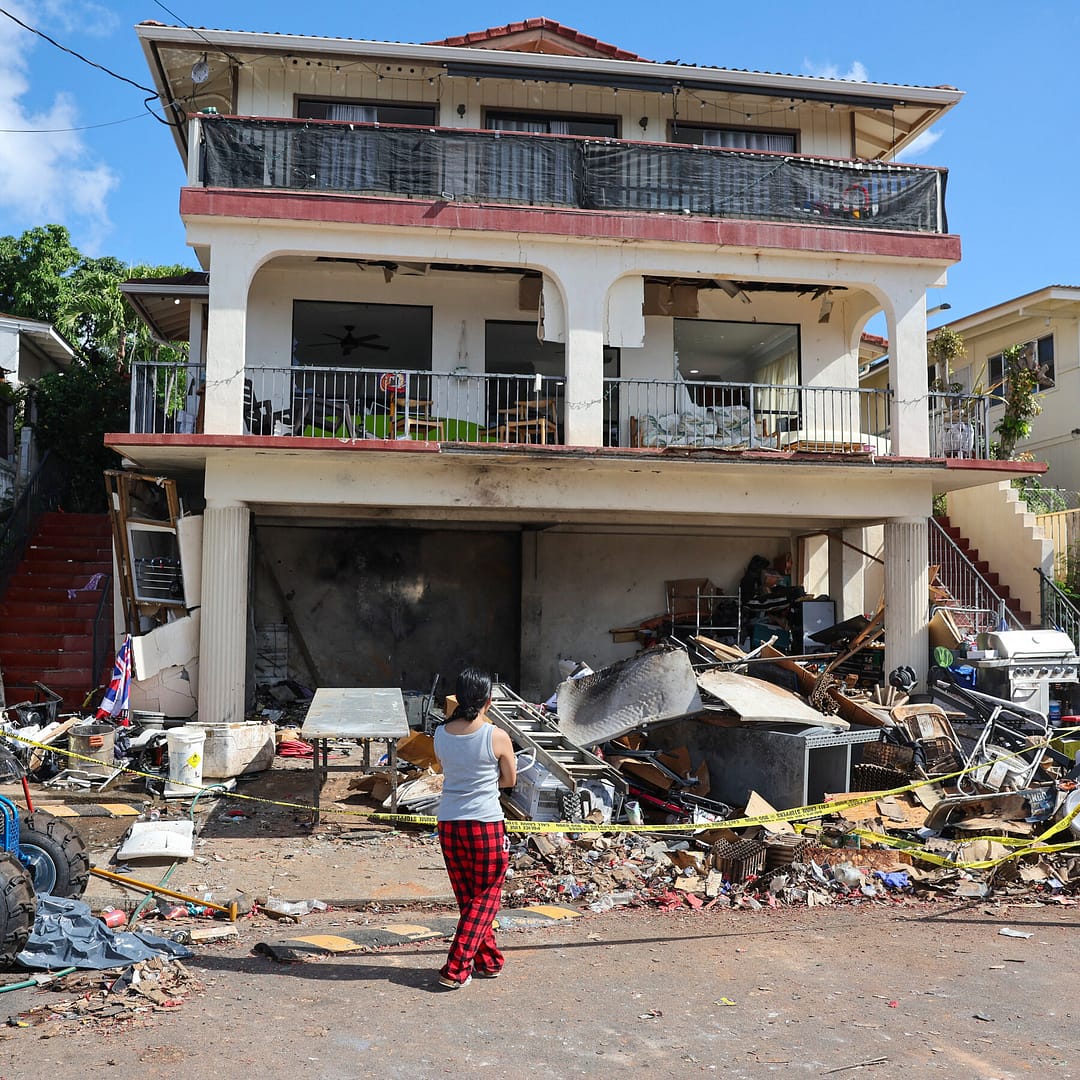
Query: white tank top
470, 776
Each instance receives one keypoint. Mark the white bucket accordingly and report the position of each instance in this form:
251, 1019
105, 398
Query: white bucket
186, 755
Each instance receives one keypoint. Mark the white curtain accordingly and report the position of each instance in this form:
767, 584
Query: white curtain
775, 405
749, 140
357, 114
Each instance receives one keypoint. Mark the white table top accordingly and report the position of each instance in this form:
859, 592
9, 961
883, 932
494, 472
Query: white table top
357, 712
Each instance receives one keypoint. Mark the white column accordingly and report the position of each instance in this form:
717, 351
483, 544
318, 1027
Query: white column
907, 589
584, 290
231, 271
223, 644
910, 420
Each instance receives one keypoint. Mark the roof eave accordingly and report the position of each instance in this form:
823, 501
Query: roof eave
797, 86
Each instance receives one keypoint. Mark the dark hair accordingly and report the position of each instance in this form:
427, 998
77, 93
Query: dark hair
473, 691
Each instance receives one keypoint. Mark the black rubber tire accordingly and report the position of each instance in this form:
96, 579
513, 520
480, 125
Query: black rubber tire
58, 861
18, 906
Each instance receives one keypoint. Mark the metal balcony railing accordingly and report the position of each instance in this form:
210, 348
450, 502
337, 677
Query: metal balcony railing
959, 425
360, 403
166, 397
560, 170
1058, 611
472, 407
976, 606
673, 412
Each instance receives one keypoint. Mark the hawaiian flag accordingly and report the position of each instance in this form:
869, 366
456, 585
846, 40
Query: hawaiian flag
117, 696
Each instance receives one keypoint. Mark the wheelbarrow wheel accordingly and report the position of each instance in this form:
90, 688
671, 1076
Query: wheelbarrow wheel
56, 855
18, 906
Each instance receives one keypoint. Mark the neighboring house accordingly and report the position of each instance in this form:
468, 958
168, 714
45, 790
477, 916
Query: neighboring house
28, 349
1047, 323
502, 332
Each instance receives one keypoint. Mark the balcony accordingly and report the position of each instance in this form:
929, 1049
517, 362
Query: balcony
518, 168
481, 409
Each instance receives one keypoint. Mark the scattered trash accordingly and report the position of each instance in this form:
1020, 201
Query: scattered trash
1007, 931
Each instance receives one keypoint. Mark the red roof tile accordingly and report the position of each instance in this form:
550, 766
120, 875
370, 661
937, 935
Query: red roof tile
567, 33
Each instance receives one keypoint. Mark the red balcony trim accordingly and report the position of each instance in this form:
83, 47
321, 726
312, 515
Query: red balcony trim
602, 224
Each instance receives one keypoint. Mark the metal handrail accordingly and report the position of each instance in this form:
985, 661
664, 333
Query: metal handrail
23, 517
965, 584
98, 651
1056, 609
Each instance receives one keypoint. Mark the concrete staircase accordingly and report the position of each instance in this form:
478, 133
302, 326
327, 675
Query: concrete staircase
989, 576
47, 635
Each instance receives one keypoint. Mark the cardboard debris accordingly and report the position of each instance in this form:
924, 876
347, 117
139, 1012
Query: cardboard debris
419, 749
756, 806
756, 701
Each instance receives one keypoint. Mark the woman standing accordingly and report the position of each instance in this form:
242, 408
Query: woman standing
477, 759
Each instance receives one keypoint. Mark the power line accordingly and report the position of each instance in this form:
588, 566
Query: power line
78, 56
188, 26
87, 127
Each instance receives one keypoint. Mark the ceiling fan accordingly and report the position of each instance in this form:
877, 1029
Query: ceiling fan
349, 342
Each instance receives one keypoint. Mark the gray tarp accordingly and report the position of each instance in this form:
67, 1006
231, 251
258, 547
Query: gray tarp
67, 934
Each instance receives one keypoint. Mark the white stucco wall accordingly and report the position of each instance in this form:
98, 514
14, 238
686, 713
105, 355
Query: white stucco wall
995, 521
583, 584
458, 321
1051, 437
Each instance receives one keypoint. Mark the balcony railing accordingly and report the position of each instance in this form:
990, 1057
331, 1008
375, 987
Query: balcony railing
959, 425
471, 407
553, 170
662, 413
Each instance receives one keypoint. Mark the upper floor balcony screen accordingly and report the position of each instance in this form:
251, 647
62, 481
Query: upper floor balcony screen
522, 168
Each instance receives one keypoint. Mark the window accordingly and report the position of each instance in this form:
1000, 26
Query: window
739, 352
591, 127
734, 138
387, 337
370, 112
1038, 353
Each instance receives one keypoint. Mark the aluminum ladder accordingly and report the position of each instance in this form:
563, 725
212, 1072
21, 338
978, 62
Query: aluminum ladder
532, 730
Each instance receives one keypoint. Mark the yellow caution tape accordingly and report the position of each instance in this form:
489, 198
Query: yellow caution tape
1035, 846
792, 814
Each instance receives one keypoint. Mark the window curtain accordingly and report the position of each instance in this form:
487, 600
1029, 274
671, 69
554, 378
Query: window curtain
777, 406
521, 168
347, 160
749, 140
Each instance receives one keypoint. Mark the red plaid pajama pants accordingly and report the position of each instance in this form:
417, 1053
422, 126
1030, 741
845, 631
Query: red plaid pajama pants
476, 859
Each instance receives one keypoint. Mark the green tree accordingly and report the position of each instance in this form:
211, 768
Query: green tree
43, 276
34, 272
1019, 391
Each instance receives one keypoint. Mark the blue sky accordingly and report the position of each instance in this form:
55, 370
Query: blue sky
114, 181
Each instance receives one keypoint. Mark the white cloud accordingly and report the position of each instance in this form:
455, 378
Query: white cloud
856, 73
84, 16
51, 175
918, 148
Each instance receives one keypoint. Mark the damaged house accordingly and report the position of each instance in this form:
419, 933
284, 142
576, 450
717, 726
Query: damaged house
497, 334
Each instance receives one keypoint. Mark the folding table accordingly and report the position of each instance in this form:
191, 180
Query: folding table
364, 714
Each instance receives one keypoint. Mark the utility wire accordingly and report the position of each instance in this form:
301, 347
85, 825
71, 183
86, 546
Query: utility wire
87, 127
78, 56
188, 26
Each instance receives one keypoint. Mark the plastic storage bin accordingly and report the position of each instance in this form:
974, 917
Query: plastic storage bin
234, 749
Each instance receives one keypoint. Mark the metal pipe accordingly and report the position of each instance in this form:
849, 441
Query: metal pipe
108, 875
37, 980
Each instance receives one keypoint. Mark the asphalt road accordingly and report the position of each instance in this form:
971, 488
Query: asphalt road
853, 993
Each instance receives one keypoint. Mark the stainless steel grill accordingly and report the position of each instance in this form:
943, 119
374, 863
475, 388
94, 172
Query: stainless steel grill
1027, 663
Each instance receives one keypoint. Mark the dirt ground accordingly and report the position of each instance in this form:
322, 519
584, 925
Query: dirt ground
882, 991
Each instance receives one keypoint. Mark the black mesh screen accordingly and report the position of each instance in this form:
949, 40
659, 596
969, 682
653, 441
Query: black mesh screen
552, 171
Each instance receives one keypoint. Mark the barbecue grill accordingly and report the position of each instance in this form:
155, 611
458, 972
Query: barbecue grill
1027, 662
